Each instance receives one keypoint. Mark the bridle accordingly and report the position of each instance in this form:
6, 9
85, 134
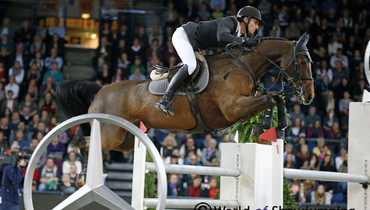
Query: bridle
300, 89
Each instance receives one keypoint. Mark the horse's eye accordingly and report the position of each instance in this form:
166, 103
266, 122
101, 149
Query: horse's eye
303, 63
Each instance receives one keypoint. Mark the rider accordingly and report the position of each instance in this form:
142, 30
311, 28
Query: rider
208, 34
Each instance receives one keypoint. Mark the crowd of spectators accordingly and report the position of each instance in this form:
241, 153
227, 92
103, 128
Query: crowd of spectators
32, 59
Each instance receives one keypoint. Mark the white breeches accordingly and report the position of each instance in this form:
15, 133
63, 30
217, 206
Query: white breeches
184, 49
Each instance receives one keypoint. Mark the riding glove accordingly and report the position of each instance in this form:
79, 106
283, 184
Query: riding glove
250, 42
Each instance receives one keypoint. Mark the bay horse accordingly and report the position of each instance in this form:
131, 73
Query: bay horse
224, 101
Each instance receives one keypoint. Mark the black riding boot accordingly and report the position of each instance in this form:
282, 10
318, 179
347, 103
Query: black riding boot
177, 81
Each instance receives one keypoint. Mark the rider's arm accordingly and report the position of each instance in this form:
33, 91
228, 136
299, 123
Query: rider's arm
225, 31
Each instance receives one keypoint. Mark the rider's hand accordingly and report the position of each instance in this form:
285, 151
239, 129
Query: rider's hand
250, 42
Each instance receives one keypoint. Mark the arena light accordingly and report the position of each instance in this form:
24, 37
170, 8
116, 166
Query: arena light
85, 15
93, 36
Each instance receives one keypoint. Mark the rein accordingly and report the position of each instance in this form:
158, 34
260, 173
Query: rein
282, 71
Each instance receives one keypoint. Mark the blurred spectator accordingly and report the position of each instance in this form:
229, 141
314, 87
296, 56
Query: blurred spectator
4, 145
50, 175
292, 32
174, 186
195, 190
326, 165
320, 196
312, 163
41, 29
121, 48
123, 34
118, 76
204, 13
168, 52
7, 29
296, 113
57, 29
24, 35
220, 3
316, 130
18, 72
71, 160
54, 58
329, 101
189, 10
10, 103
302, 194
296, 130
103, 51
48, 104
137, 75
168, 145
33, 90
339, 57
2, 75
212, 188
210, 154
15, 120
174, 158
329, 120
55, 43
151, 63
289, 162
124, 63
302, 155
324, 70
106, 32
343, 168
73, 173
217, 13
189, 145
311, 117
66, 186
49, 87
20, 56
278, 32
54, 73
40, 62
7, 44
136, 49
154, 50
344, 109
56, 151
171, 14
5, 129
334, 44
33, 74
289, 149
143, 37
105, 76
340, 159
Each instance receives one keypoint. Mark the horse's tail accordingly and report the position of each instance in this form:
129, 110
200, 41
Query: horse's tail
75, 96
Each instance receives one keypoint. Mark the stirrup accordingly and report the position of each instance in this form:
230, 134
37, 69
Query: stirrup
165, 108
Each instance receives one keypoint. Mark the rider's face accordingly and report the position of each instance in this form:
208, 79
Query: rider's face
253, 26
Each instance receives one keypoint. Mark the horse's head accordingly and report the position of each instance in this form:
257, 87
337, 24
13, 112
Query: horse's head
298, 70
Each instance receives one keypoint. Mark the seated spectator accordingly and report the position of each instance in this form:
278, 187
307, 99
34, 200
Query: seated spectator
289, 162
57, 29
33, 74
329, 101
168, 145
204, 13
118, 76
292, 32
297, 112
137, 75
5, 129
316, 130
302, 155
15, 120
6, 43
104, 50
53, 58
168, 52
54, 73
66, 186
19, 137
21, 57
339, 160
343, 168
210, 153
40, 62
311, 117
37, 45
136, 49
339, 56
45, 118
2, 74
155, 33
73, 173
71, 160
28, 103
107, 32
121, 48
296, 130
195, 190
49, 87
56, 151
105, 76
154, 50
192, 159
289, 149
10, 103
319, 148
212, 190
326, 165
13, 86
48, 104
124, 64
139, 65
344, 109
175, 186
301, 195
335, 132
57, 43
151, 63
189, 145
339, 72
312, 163
174, 158
324, 70
320, 196
49, 178
4, 145
329, 120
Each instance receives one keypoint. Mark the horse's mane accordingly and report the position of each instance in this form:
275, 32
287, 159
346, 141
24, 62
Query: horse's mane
272, 38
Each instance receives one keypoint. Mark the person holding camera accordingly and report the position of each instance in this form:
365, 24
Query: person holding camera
12, 177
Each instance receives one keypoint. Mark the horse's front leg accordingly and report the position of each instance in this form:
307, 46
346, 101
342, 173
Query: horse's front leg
269, 112
282, 120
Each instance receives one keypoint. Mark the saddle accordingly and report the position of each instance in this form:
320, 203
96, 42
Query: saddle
161, 77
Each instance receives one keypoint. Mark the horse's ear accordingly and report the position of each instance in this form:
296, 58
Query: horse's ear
303, 40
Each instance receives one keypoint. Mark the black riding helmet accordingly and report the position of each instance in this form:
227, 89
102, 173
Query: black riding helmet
249, 11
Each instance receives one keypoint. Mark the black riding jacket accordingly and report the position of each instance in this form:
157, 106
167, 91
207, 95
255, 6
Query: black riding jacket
213, 34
